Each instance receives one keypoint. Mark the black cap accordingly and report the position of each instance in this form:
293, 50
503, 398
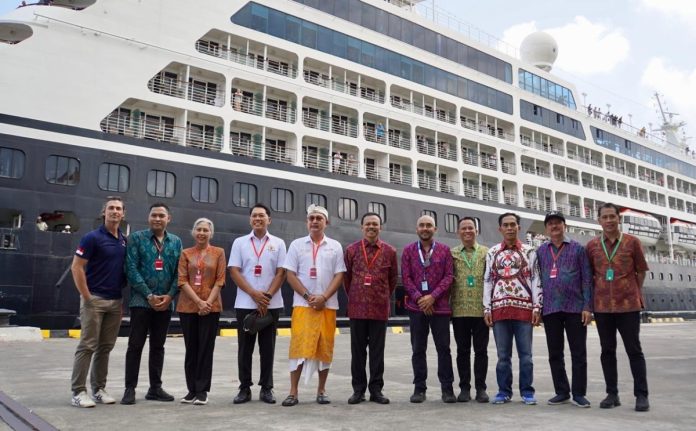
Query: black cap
554, 214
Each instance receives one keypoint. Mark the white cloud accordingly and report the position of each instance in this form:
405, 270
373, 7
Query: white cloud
682, 9
584, 48
677, 85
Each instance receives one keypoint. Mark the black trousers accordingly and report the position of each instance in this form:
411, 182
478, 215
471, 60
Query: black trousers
628, 325
466, 330
364, 334
555, 324
420, 326
144, 321
247, 342
199, 339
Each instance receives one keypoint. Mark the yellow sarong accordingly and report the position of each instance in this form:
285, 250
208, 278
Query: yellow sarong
312, 334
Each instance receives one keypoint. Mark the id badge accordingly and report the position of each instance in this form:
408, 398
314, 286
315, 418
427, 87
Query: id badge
257, 271
198, 279
312, 273
368, 280
610, 274
554, 272
424, 285
470, 280
506, 271
159, 265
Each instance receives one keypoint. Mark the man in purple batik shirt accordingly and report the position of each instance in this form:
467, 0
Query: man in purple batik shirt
427, 273
566, 277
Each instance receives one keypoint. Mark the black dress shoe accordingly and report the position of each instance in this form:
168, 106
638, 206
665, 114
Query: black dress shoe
266, 395
642, 404
243, 396
464, 397
290, 401
323, 398
128, 396
356, 398
418, 397
379, 398
448, 397
482, 396
611, 401
158, 394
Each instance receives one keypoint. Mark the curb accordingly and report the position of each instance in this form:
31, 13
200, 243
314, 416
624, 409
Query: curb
282, 332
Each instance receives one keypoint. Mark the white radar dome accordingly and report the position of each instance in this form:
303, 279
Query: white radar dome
539, 49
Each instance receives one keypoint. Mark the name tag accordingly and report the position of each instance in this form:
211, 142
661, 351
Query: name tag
553, 273
312, 273
257, 270
610, 274
159, 265
198, 279
424, 285
368, 280
470, 281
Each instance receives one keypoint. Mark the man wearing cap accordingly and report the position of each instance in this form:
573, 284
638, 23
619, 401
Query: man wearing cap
256, 268
315, 270
619, 268
512, 300
566, 278
370, 280
426, 272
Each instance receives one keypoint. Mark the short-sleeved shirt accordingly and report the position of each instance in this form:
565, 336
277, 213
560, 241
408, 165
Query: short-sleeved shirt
272, 257
106, 255
144, 279
213, 274
329, 262
371, 301
570, 291
438, 274
622, 294
466, 300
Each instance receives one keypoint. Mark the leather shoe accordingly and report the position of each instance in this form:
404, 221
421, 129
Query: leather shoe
158, 394
464, 397
418, 397
266, 395
448, 397
356, 398
128, 396
323, 398
290, 401
243, 396
379, 398
611, 401
482, 396
642, 404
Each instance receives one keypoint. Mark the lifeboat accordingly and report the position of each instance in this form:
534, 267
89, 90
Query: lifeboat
683, 234
645, 227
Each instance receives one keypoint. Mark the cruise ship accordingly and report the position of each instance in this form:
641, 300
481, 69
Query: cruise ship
357, 105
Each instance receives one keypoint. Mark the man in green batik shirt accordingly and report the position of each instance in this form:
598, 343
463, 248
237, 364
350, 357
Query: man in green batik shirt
467, 311
152, 259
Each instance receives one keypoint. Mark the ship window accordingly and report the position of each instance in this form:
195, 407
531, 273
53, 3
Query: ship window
689, 277
430, 213
11, 163
378, 208
662, 276
316, 199
671, 277
161, 184
681, 277
281, 200
347, 209
204, 189
259, 17
244, 195
451, 222
652, 275
62, 170
113, 177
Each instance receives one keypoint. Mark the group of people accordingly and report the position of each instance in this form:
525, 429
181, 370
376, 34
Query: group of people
510, 287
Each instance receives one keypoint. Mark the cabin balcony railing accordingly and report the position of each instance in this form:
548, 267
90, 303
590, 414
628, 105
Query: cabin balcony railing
137, 128
426, 146
316, 162
536, 204
470, 158
315, 121
345, 128
471, 191
448, 186
427, 182
260, 151
400, 177
281, 113
279, 155
366, 93
598, 187
572, 180
202, 140
487, 129
347, 166
445, 116
528, 142
372, 136
489, 162
508, 168
160, 84
375, 173
260, 108
489, 194
510, 198
403, 142
447, 152
574, 211
271, 65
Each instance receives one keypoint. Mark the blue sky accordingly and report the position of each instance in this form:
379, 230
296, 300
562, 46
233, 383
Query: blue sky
618, 52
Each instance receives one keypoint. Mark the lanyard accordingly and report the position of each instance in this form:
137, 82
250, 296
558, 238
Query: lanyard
555, 256
159, 246
616, 248
470, 264
427, 256
258, 254
200, 259
374, 258
315, 251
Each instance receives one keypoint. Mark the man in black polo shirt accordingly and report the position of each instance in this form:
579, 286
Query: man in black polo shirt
97, 269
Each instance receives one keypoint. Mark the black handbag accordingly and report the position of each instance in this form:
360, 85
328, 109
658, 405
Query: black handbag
254, 322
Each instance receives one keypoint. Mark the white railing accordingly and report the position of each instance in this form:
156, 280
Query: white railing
471, 191
508, 168
510, 198
343, 166
487, 129
315, 120
274, 110
161, 84
234, 55
425, 146
469, 157
345, 128
316, 162
367, 93
196, 138
400, 177
371, 136
136, 127
489, 162
489, 194
400, 141
446, 151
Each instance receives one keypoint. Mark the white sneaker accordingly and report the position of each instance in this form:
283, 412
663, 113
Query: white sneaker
103, 398
82, 400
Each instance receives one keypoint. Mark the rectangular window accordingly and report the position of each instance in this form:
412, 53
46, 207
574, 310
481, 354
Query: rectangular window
430, 213
347, 209
281, 200
293, 27
309, 34
62, 170
378, 208
259, 17
114, 178
11, 163
161, 184
204, 189
451, 222
316, 199
244, 195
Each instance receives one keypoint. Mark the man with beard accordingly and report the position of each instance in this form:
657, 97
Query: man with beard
426, 272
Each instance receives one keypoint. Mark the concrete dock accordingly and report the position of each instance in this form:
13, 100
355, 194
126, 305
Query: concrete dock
37, 375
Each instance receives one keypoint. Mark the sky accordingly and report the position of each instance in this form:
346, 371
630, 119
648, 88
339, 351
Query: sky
618, 52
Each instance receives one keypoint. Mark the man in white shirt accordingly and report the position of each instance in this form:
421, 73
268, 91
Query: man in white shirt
315, 268
256, 268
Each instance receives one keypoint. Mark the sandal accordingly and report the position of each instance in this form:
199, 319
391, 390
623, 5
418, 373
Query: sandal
290, 401
322, 398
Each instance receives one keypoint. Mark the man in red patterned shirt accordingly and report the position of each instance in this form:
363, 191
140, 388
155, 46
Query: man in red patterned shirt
619, 268
370, 280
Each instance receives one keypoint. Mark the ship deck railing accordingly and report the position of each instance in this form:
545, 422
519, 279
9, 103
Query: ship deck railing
261, 108
508, 168
165, 86
487, 129
273, 153
250, 60
349, 88
545, 147
449, 117
400, 141
536, 204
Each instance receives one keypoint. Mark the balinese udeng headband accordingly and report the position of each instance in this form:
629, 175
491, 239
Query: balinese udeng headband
312, 209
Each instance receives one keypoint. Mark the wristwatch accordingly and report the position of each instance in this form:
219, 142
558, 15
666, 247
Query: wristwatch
305, 296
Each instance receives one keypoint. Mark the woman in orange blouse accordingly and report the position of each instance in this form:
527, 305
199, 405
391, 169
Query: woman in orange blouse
201, 276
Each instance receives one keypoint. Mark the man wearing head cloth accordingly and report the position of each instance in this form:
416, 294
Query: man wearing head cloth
315, 270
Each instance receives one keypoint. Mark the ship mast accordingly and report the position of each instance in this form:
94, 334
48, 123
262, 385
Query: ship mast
670, 127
